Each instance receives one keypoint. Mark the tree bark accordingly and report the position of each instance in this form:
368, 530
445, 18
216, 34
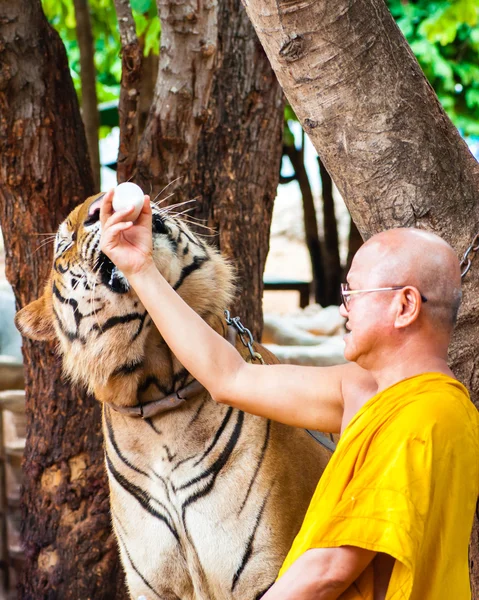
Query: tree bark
44, 169
215, 127
128, 108
377, 124
332, 261
90, 114
310, 223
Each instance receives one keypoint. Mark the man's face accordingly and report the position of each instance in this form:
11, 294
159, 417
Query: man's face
369, 316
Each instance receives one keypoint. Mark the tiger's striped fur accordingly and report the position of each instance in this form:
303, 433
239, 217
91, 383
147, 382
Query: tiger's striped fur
205, 499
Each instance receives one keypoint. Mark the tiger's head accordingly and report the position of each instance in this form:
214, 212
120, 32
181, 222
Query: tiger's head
102, 329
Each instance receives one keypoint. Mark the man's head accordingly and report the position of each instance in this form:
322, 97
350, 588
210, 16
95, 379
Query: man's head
384, 322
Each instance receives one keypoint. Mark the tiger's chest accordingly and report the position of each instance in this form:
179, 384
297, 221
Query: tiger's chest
185, 503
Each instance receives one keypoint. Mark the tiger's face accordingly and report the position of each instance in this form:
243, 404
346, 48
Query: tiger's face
90, 308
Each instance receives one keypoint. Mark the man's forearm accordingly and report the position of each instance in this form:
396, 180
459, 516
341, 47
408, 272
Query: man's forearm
181, 328
321, 574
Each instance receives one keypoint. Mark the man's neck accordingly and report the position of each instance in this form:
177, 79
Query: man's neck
408, 361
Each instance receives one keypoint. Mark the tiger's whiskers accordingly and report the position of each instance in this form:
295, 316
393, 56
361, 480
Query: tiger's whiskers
165, 188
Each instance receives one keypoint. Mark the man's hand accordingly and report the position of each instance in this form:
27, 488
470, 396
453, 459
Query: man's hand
321, 574
128, 245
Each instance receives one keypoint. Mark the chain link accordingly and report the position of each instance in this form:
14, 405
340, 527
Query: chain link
469, 255
245, 336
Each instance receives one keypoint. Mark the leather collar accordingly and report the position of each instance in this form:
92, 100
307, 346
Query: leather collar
173, 400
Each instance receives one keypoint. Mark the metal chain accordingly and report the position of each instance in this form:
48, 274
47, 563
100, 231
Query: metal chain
469, 255
245, 336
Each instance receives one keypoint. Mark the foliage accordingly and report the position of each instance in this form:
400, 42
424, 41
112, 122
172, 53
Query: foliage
444, 36
61, 14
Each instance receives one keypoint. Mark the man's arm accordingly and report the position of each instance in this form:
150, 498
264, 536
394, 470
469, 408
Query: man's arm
321, 574
300, 396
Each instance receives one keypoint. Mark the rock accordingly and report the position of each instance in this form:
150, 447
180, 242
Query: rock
326, 354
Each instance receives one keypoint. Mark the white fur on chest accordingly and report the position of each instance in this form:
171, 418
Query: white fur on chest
191, 504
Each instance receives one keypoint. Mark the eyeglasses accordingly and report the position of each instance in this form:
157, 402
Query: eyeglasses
346, 293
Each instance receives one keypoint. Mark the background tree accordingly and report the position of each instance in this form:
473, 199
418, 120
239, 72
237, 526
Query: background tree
44, 172
444, 36
379, 128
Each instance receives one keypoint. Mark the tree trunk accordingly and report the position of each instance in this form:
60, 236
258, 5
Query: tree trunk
44, 168
90, 114
332, 261
379, 128
310, 223
355, 241
215, 127
128, 108
147, 87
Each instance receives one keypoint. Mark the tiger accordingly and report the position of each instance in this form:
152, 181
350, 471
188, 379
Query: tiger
205, 499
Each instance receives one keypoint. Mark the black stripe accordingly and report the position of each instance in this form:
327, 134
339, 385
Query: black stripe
258, 466
141, 497
70, 335
59, 268
121, 456
169, 456
219, 463
215, 468
198, 411
196, 264
173, 244
139, 330
190, 237
249, 546
90, 239
153, 426
127, 368
120, 320
148, 585
221, 428
77, 315
152, 380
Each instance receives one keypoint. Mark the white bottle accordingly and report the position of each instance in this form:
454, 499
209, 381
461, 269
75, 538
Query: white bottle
126, 196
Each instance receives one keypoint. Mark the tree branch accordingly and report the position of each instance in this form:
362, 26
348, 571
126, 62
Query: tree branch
90, 114
128, 108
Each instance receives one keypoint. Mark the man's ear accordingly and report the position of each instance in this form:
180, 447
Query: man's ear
410, 307
35, 321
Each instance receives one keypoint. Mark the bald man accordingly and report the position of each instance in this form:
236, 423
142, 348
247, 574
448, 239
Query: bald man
392, 514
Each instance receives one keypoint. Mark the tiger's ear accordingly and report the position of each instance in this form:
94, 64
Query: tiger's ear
35, 321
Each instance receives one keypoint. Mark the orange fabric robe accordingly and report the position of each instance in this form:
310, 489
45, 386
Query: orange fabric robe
403, 480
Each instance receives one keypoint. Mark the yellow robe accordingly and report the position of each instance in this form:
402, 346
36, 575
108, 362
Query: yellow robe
404, 480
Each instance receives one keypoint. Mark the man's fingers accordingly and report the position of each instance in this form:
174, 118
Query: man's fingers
110, 239
118, 217
106, 207
144, 218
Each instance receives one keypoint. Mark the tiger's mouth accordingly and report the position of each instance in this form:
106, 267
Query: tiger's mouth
111, 276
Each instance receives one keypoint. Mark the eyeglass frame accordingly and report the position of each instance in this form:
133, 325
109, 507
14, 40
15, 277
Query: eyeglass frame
346, 293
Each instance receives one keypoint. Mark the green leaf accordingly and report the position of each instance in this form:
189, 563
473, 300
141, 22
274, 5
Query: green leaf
141, 6
152, 37
141, 23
